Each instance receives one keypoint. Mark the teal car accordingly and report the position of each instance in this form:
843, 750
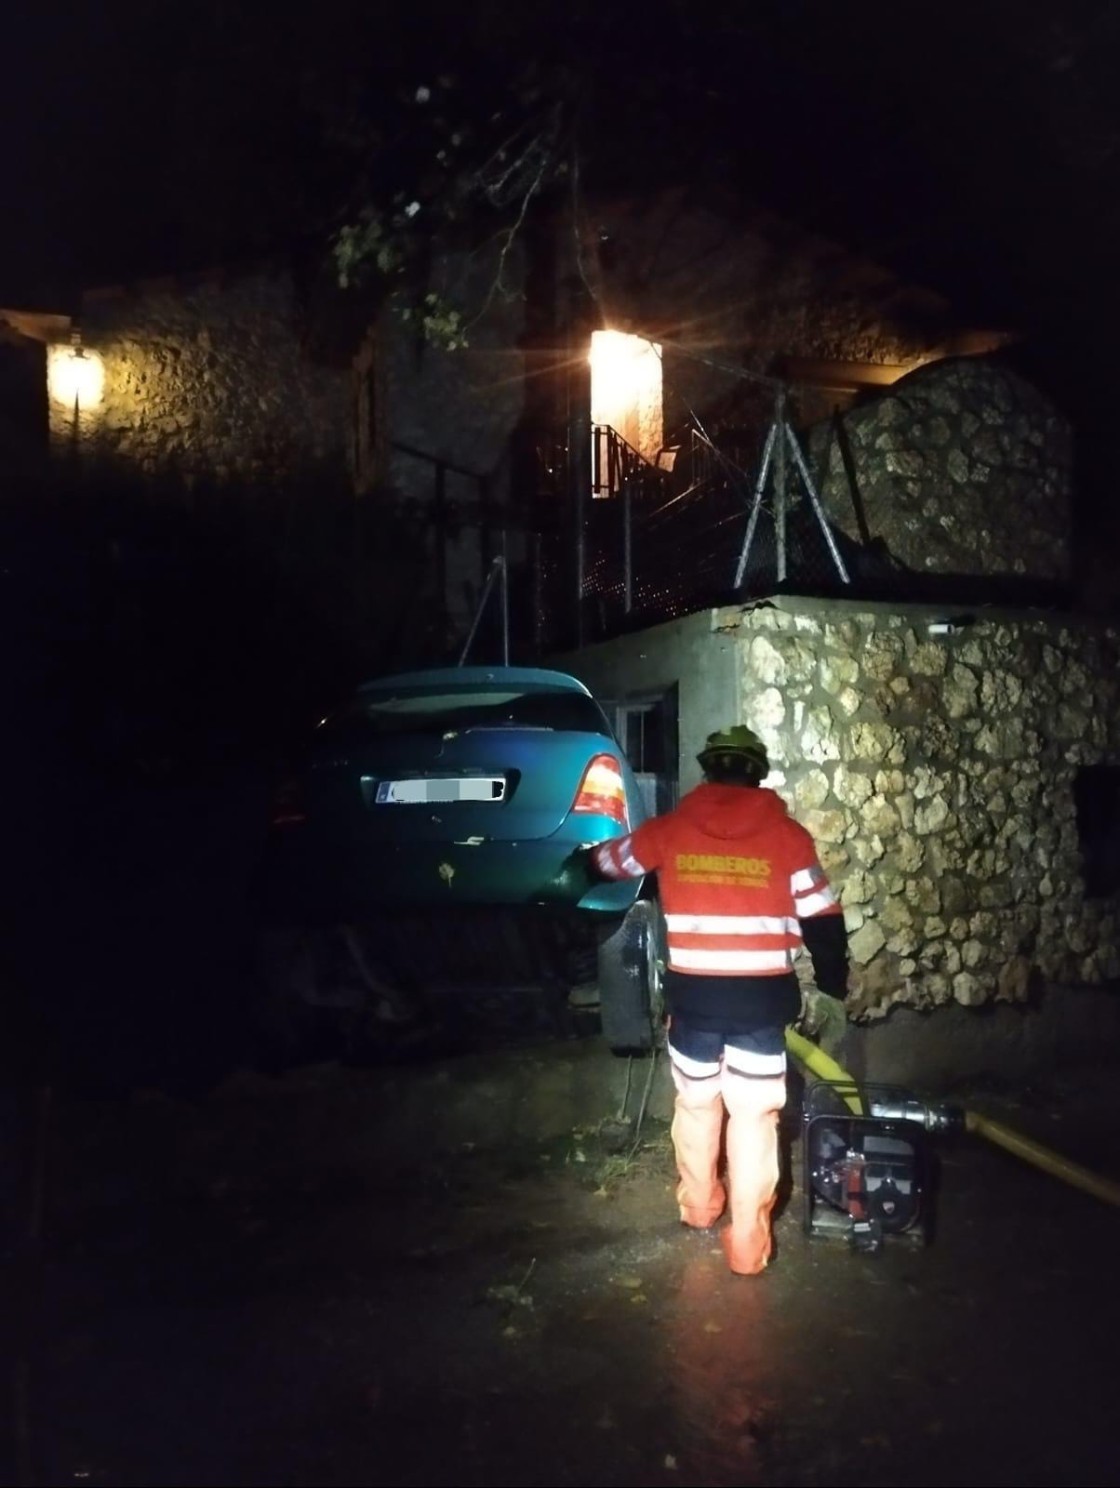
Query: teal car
423, 847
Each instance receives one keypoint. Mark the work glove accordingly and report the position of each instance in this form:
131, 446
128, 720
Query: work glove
823, 1017
575, 876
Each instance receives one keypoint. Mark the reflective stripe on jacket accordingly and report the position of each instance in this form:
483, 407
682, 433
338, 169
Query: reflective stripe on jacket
736, 875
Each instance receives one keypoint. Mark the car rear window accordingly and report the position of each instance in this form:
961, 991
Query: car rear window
437, 711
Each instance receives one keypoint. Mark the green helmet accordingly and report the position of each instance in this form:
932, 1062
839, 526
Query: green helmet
737, 744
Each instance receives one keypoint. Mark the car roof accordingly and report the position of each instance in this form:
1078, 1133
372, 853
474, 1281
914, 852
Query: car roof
465, 675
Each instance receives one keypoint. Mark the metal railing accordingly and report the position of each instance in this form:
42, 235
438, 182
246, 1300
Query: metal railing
614, 462
711, 525
643, 543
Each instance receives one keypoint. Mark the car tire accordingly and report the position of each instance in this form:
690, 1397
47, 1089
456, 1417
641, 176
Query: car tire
630, 960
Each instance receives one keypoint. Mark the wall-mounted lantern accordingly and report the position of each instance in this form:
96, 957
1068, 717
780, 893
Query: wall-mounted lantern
75, 375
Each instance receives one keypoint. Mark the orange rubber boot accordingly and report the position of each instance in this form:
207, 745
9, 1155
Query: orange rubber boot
752, 1167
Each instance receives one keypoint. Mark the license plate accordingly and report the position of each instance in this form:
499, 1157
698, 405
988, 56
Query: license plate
430, 792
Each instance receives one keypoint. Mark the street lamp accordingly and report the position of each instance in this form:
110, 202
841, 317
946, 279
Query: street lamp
75, 376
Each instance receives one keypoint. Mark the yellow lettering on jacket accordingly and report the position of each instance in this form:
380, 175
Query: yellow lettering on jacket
724, 868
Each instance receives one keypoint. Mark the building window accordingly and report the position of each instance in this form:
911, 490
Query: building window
1096, 796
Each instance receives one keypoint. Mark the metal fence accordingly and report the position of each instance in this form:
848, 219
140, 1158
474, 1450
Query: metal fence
602, 540
655, 542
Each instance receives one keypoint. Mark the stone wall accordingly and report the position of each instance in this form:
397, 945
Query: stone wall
209, 378
962, 468
936, 773
715, 290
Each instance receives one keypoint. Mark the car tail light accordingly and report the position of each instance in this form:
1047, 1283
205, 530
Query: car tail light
602, 791
288, 803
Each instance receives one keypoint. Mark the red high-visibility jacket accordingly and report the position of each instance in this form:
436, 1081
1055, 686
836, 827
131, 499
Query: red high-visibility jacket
735, 874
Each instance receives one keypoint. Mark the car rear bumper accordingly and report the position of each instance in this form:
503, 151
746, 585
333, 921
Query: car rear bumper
314, 881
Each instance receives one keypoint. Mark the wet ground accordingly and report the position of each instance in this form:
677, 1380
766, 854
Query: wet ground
439, 1273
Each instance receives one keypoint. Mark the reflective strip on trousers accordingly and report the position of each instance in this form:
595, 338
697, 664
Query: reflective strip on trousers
696, 1069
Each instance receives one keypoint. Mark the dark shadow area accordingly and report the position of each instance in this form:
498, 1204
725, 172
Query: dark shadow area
789, 1136
163, 645
1096, 795
167, 649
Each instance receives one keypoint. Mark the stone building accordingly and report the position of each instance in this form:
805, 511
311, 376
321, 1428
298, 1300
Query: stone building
210, 377
578, 356
940, 719
662, 317
944, 723
960, 771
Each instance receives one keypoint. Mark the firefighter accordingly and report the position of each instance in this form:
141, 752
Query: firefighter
741, 890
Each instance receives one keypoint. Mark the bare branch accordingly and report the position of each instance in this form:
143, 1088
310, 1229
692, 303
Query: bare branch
500, 186
510, 234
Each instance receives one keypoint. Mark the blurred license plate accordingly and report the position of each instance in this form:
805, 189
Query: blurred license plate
429, 792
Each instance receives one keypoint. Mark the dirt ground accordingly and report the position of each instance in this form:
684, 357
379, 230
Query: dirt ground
438, 1273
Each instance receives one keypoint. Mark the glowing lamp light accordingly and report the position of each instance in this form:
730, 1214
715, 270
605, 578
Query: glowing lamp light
623, 368
75, 376
626, 388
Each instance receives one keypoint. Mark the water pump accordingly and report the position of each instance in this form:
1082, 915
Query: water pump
868, 1166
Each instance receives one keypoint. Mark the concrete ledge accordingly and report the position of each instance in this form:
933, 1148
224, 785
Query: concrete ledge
936, 1050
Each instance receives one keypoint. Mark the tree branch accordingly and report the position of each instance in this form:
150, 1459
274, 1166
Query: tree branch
509, 237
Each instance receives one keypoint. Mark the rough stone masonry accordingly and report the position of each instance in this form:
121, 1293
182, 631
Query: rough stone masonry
208, 377
961, 468
936, 773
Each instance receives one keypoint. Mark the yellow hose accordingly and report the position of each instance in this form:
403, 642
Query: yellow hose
1042, 1157
818, 1063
